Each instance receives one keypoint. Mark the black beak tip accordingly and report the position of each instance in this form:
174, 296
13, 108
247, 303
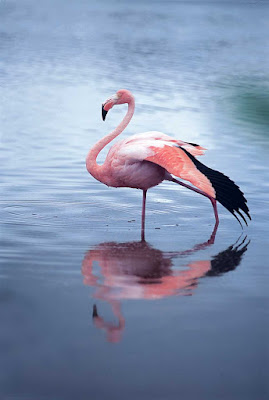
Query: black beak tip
104, 113
94, 311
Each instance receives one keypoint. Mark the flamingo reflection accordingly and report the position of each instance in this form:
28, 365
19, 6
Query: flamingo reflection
136, 270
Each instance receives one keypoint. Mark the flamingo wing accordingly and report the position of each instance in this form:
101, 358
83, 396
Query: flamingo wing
193, 148
175, 159
180, 162
169, 155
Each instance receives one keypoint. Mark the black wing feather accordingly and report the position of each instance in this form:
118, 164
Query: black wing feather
227, 192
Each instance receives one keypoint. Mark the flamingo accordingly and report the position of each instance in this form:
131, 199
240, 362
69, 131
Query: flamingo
144, 160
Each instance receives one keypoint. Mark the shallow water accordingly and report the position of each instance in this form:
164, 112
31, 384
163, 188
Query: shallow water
177, 316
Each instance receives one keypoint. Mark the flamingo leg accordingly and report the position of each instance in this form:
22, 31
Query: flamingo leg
214, 204
143, 215
213, 201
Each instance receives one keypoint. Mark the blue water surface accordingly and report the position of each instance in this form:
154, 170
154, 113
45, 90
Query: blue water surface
87, 309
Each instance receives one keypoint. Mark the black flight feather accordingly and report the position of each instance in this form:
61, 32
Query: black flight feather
227, 192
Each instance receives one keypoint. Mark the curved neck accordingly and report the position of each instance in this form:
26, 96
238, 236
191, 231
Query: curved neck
93, 168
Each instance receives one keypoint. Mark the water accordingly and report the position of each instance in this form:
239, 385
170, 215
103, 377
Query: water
176, 316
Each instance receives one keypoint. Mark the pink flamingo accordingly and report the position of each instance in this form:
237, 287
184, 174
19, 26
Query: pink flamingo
144, 160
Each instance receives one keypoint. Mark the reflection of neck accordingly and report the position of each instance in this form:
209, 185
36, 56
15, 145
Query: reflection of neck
114, 331
98, 170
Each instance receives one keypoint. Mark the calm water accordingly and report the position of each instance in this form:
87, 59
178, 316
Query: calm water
175, 317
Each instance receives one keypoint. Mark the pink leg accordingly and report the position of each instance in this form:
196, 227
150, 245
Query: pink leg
214, 204
213, 235
213, 201
143, 215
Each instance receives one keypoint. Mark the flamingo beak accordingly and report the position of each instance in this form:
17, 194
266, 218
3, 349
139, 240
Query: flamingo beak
104, 113
94, 311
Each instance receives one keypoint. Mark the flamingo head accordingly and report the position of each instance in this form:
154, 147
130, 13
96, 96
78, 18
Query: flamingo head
121, 97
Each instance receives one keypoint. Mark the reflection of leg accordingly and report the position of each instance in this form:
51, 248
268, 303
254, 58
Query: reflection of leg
143, 215
213, 201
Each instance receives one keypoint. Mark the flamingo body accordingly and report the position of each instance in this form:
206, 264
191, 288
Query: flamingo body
132, 162
146, 159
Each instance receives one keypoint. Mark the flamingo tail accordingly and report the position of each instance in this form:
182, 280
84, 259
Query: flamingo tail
227, 192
